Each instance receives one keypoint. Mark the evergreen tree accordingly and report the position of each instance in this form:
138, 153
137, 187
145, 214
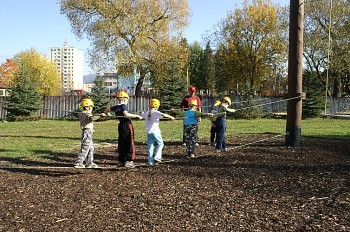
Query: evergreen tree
313, 104
24, 100
172, 89
99, 96
208, 69
195, 65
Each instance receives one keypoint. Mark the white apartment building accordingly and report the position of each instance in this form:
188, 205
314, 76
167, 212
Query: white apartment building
70, 62
88, 87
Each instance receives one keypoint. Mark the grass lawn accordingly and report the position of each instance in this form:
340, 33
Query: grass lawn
34, 140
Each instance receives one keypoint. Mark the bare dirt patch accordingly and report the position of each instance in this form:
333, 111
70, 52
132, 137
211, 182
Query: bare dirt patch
261, 187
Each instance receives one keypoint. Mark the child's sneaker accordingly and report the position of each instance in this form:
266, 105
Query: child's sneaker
79, 165
130, 164
217, 150
92, 165
192, 156
225, 149
197, 144
157, 160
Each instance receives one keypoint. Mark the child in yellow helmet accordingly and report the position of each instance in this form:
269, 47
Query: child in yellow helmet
220, 123
126, 145
185, 105
86, 119
153, 131
191, 126
212, 119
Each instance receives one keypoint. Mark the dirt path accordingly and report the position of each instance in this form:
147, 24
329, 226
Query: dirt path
262, 187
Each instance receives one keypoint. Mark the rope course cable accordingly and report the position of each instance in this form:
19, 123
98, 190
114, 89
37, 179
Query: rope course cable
269, 103
4, 103
231, 148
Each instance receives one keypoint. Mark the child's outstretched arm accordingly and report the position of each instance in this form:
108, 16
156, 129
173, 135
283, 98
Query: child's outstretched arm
231, 110
206, 114
168, 116
176, 111
130, 115
94, 117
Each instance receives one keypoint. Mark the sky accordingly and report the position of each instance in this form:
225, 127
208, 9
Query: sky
38, 24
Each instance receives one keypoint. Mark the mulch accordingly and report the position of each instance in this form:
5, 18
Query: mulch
261, 187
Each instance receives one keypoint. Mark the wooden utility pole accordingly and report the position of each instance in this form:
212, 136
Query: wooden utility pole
295, 72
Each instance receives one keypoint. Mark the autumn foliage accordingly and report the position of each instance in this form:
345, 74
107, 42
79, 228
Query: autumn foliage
8, 72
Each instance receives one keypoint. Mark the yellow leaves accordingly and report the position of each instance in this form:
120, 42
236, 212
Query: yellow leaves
135, 30
40, 70
255, 39
261, 14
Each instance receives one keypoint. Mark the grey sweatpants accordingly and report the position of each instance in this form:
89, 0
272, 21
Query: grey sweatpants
87, 147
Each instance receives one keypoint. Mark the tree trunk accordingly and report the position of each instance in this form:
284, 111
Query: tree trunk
337, 87
138, 90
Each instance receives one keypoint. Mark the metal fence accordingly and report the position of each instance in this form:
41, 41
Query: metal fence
60, 106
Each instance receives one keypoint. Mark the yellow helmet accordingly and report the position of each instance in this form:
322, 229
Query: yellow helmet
228, 100
192, 102
122, 94
154, 103
86, 102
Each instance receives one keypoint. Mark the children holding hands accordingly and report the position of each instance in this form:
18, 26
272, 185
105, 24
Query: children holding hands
126, 145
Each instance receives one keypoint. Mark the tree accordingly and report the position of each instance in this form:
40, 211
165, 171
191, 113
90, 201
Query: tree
172, 88
99, 96
224, 73
8, 72
327, 43
195, 65
313, 104
208, 69
40, 70
24, 100
255, 37
126, 33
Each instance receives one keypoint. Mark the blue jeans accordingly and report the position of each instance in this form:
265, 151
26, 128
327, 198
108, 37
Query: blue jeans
220, 125
151, 139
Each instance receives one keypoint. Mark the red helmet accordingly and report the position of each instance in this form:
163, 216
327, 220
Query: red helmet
192, 88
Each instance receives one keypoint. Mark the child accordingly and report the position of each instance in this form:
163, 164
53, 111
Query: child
184, 106
87, 146
153, 131
212, 119
220, 123
191, 126
126, 146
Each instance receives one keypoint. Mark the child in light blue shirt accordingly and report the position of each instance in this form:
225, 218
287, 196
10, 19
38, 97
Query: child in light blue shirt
191, 126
